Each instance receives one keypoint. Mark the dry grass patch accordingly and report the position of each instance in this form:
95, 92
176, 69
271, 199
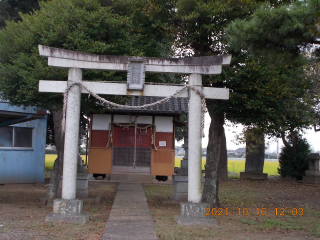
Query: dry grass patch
251, 212
21, 216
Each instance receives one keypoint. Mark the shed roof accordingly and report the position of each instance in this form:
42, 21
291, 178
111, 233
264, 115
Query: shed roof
11, 114
174, 106
8, 117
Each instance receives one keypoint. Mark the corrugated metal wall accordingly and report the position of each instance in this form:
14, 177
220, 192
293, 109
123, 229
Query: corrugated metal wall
24, 166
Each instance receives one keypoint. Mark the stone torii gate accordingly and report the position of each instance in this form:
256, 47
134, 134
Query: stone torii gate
69, 209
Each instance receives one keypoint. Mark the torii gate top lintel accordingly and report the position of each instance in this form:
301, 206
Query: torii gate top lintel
63, 58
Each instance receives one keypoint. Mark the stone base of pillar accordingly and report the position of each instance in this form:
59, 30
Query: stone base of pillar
67, 211
253, 176
311, 179
180, 188
82, 186
193, 214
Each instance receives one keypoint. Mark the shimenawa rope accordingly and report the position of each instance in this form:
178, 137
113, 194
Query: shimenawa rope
104, 101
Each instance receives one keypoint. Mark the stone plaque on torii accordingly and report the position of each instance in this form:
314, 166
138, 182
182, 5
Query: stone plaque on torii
136, 67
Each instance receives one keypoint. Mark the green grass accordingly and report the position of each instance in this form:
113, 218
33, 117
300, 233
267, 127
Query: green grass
275, 223
50, 158
236, 166
177, 162
248, 221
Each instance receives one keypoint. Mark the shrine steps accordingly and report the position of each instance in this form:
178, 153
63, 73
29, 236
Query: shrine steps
130, 169
131, 177
131, 174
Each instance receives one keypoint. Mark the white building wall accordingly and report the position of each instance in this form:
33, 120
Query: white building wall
101, 121
122, 118
164, 124
144, 119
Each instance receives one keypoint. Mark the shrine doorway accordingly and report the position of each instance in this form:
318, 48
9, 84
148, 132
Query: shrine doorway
131, 150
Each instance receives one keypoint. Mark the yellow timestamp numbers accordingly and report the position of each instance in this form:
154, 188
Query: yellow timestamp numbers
255, 212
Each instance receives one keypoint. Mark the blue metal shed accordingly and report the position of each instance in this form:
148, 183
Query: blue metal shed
22, 144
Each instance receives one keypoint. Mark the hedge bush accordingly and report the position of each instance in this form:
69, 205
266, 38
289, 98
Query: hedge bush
291, 165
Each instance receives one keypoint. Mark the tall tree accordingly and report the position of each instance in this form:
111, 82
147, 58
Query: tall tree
121, 27
261, 95
281, 35
9, 9
201, 33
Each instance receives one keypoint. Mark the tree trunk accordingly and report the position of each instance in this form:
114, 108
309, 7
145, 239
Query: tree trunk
58, 163
285, 142
293, 141
215, 150
294, 144
223, 162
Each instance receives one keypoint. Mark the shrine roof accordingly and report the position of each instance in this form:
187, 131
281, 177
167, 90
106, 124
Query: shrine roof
173, 106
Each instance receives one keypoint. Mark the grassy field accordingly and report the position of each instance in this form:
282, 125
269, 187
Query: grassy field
49, 160
234, 166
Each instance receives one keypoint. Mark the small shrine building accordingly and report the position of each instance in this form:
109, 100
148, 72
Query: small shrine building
136, 141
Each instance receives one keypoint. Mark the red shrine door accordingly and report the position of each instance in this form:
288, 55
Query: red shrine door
124, 147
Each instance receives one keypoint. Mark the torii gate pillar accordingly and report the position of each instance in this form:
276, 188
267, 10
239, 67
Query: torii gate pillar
69, 209
71, 136
194, 143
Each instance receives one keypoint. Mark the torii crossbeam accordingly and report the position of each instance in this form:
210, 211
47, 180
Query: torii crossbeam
76, 61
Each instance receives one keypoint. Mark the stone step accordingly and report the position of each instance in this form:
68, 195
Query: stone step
131, 177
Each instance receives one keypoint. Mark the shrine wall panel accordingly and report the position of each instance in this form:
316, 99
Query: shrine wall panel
101, 121
164, 124
164, 140
99, 138
162, 162
100, 160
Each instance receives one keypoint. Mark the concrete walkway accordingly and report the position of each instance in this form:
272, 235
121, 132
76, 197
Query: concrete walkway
130, 216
